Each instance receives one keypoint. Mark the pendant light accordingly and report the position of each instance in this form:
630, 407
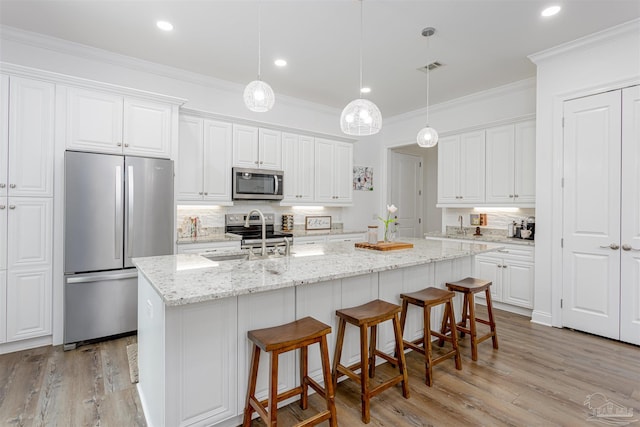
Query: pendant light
361, 116
258, 95
427, 136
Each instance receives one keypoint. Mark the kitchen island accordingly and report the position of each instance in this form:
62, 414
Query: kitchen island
194, 314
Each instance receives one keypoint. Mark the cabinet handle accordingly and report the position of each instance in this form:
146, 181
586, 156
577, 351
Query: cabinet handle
517, 195
126, 145
2, 207
119, 144
3, 185
206, 193
613, 246
511, 196
12, 186
200, 193
12, 206
626, 247
256, 162
261, 162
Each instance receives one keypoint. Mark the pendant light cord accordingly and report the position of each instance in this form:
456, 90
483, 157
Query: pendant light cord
428, 94
259, 38
361, 26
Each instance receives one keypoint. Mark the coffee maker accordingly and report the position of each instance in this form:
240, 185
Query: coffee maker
530, 224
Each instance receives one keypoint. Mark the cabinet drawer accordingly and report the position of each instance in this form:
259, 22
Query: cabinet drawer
198, 248
515, 253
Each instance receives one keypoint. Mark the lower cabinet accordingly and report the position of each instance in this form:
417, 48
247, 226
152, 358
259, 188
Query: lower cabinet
3, 304
28, 303
209, 248
512, 272
311, 240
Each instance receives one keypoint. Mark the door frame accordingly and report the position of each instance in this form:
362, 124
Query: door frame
421, 186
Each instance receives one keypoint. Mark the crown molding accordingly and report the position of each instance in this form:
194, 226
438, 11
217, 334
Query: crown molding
484, 95
87, 52
618, 30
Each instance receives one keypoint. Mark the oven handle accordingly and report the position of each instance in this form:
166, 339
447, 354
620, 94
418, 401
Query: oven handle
275, 178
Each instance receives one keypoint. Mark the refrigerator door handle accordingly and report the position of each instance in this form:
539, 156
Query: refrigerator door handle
102, 277
118, 213
130, 213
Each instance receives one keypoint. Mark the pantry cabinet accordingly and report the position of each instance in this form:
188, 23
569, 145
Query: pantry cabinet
510, 164
461, 169
111, 123
257, 147
204, 159
298, 154
333, 172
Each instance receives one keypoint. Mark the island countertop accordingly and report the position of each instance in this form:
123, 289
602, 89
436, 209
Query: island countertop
189, 278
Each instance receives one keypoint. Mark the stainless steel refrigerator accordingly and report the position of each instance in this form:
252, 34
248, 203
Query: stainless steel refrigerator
116, 208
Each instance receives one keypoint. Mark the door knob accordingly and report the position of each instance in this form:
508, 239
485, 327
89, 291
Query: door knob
626, 247
613, 246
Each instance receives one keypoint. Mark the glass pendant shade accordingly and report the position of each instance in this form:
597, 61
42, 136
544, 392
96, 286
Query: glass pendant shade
427, 137
361, 117
258, 96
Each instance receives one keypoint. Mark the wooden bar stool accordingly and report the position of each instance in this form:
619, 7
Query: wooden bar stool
469, 287
281, 339
427, 299
367, 316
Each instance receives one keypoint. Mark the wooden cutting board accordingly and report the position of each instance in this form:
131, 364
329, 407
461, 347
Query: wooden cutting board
382, 246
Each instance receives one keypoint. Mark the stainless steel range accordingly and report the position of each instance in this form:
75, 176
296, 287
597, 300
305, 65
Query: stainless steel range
252, 235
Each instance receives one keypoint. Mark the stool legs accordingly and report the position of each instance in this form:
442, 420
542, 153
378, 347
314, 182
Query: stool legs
364, 371
328, 382
338, 352
251, 389
492, 323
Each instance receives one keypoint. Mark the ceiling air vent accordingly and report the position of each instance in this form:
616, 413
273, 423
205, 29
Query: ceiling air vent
432, 66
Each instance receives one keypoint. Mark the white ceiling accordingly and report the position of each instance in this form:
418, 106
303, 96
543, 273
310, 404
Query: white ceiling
483, 43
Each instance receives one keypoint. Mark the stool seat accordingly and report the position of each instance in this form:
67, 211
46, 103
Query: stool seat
367, 317
469, 284
427, 299
299, 334
291, 334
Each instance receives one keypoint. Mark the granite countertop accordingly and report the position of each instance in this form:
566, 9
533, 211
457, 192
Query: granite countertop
189, 278
217, 237
331, 232
490, 238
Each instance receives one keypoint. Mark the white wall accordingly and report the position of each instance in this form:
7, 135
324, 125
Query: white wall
604, 61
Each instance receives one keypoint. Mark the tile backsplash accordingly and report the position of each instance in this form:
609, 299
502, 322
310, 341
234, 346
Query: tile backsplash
496, 219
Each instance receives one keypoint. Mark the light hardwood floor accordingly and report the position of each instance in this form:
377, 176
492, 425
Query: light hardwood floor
540, 376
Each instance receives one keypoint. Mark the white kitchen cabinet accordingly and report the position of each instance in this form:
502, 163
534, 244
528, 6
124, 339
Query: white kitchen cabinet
333, 172
111, 123
256, 147
309, 240
461, 169
209, 248
351, 237
29, 232
4, 210
26, 143
510, 164
28, 303
3, 305
204, 159
511, 271
298, 154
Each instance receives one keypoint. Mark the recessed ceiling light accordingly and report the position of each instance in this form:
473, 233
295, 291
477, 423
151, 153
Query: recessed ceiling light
280, 62
365, 90
550, 11
164, 25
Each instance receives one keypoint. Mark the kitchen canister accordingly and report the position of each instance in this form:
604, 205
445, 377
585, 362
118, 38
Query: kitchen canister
372, 234
287, 222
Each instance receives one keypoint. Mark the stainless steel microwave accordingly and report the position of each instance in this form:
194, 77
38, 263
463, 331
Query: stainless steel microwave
257, 184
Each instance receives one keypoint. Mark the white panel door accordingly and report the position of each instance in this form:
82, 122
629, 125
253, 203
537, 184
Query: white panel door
94, 121
245, 146
343, 164
406, 194
630, 232
472, 167
190, 159
31, 114
500, 164
147, 128
517, 283
270, 149
3, 305
4, 133
217, 160
4, 210
591, 217
324, 155
525, 162
28, 303
449, 170
29, 232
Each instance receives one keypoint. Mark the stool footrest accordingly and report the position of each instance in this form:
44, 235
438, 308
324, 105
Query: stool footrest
415, 345
385, 356
382, 387
484, 337
316, 419
316, 386
483, 321
349, 371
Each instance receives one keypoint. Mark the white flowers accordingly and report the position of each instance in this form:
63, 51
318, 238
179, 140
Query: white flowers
392, 209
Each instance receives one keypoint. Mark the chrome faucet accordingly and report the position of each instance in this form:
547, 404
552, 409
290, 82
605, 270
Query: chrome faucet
264, 229
461, 230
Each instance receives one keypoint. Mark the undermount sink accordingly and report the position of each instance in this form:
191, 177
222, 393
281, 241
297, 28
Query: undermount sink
226, 257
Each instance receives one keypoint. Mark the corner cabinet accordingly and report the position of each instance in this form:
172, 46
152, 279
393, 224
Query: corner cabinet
510, 164
461, 169
204, 158
111, 123
257, 148
333, 172
298, 165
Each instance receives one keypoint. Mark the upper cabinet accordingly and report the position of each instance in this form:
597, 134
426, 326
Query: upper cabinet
204, 160
111, 123
461, 169
494, 166
26, 140
257, 147
510, 160
298, 153
333, 172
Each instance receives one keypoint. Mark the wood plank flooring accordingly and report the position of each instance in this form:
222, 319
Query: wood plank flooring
540, 377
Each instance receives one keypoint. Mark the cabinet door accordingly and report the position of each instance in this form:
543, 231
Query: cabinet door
324, 155
270, 149
291, 167
525, 162
487, 268
4, 133
245, 146
499, 165
449, 170
147, 128
3, 305
343, 164
190, 159
3, 234
94, 121
29, 232
517, 283
306, 168
472, 167
31, 112
217, 159
28, 303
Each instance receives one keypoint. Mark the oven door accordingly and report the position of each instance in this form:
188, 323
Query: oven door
257, 184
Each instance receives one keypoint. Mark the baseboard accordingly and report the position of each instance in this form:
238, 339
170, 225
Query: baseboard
27, 344
541, 318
